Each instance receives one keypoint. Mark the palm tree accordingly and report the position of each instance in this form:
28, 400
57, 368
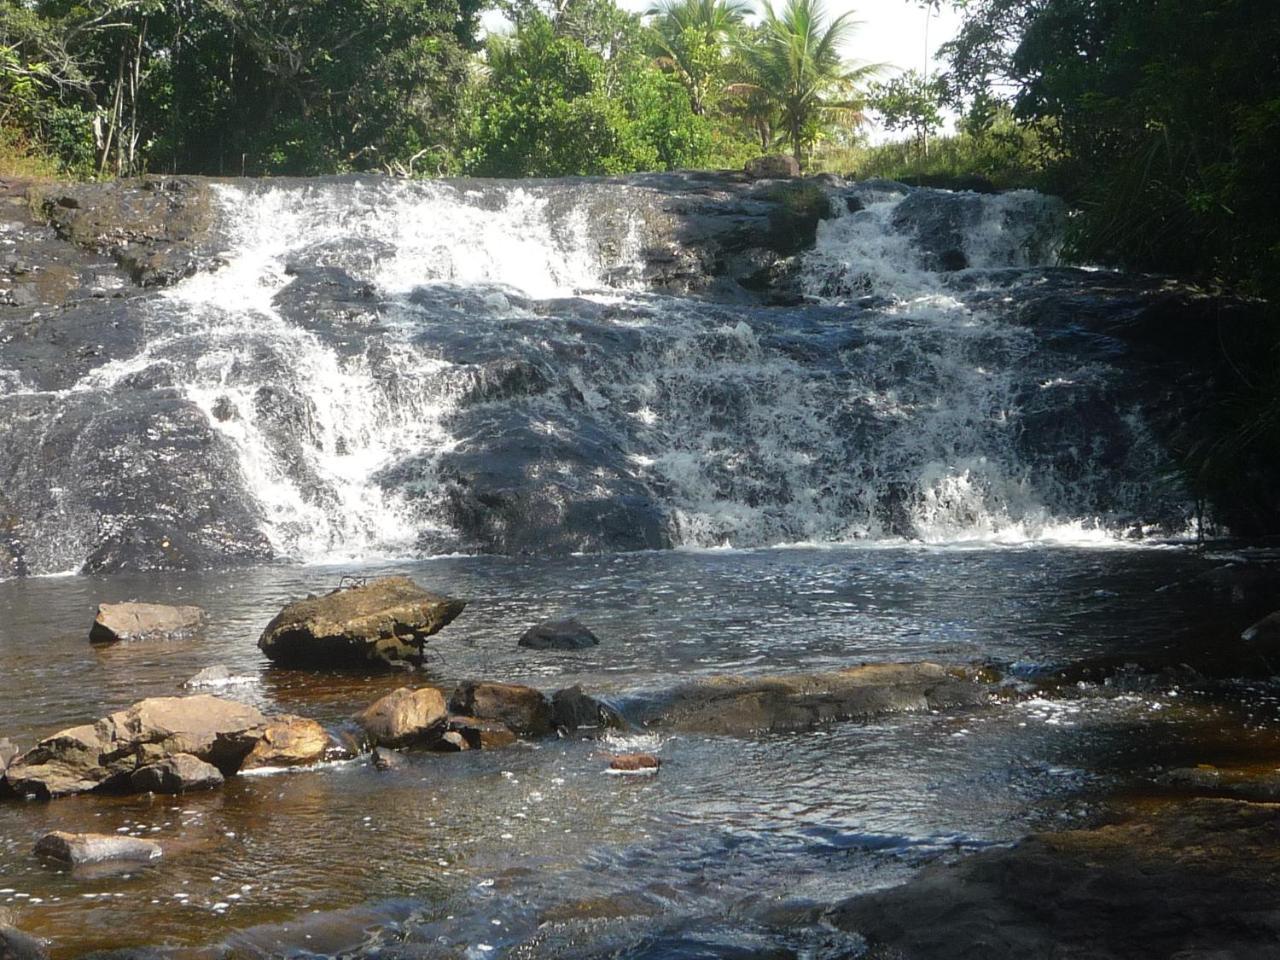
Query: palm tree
794, 60
692, 38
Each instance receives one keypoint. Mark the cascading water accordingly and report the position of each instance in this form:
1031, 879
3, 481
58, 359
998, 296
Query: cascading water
384, 369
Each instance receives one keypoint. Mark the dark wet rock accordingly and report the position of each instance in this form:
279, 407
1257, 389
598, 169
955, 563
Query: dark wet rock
289, 741
1260, 783
1187, 880
480, 734
634, 763
89, 848
16, 945
406, 718
1265, 634
382, 623
523, 710
559, 635
386, 759
741, 705
145, 621
177, 774
778, 166
572, 711
157, 229
106, 753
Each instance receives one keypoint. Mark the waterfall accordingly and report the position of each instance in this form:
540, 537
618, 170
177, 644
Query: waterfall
395, 369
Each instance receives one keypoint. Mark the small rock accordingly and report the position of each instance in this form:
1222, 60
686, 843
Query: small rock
406, 718
385, 623
481, 734
559, 635
177, 774
289, 741
81, 848
521, 709
775, 167
144, 621
453, 740
16, 945
384, 759
1264, 633
634, 763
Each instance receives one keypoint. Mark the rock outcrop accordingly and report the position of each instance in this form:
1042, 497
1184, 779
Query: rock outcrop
177, 774
144, 621
776, 166
382, 623
519, 708
289, 741
742, 705
406, 718
79, 849
105, 754
1186, 880
559, 635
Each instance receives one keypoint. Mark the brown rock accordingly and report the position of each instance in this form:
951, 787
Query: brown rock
779, 166
481, 734
289, 741
406, 717
385, 622
523, 710
742, 705
452, 740
219, 732
144, 621
177, 774
82, 848
634, 762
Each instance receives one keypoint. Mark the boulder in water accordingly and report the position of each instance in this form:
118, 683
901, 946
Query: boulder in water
479, 734
16, 945
521, 709
572, 710
385, 759
1265, 634
385, 622
741, 705
559, 635
289, 741
144, 621
634, 763
778, 166
406, 717
84, 848
176, 774
106, 753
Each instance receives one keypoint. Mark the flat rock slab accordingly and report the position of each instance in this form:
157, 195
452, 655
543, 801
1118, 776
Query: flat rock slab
1195, 879
744, 705
383, 623
87, 848
106, 753
145, 621
559, 635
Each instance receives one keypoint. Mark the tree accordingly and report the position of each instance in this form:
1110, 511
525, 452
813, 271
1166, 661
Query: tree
692, 39
911, 102
794, 60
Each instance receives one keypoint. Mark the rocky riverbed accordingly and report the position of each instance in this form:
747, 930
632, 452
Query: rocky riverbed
1086, 708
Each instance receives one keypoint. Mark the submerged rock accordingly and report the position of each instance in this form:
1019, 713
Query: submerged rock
216, 676
385, 622
385, 759
1188, 880
521, 709
479, 734
406, 717
176, 774
144, 621
289, 741
86, 848
742, 705
106, 753
16, 945
559, 635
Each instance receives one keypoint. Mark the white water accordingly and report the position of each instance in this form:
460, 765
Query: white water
742, 443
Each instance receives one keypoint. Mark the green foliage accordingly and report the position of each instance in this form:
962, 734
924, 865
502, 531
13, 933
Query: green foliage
693, 39
910, 102
793, 64
552, 107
